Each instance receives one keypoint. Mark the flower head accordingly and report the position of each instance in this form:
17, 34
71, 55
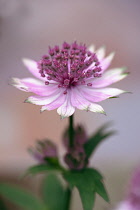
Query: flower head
80, 137
75, 156
70, 77
44, 149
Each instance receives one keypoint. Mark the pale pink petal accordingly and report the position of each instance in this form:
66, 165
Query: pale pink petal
78, 101
96, 108
111, 91
40, 100
91, 48
100, 53
34, 86
105, 63
109, 78
81, 103
97, 95
55, 104
125, 206
32, 67
66, 109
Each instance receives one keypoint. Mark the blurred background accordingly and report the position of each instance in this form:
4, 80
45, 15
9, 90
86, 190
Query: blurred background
27, 28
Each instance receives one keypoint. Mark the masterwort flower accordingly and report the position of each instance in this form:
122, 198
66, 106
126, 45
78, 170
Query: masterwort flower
132, 200
75, 156
71, 77
44, 149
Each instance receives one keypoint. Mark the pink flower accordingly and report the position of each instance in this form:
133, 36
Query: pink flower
44, 149
132, 201
71, 77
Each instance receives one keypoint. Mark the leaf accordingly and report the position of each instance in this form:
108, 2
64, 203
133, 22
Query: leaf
88, 199
100, 189
43, 168
2, 205
54, 193
84, 181
21, 197
96, 139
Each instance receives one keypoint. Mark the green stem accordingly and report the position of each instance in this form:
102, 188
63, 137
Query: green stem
71, 143
71, 131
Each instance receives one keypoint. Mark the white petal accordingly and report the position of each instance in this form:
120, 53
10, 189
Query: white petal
66, 109
105, 63
108, 78
78, 100
91, 48
55, 104
83, 104
96, 108
100, 53
97, 95
32, 67
35, 86
112, 91
40, 100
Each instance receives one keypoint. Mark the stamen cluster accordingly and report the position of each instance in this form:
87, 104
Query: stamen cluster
69, 66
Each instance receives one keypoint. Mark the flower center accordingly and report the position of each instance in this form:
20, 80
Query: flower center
69, 66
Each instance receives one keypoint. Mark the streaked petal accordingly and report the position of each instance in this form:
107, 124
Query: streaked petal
97, 95
40, 100
55, 104
34, 86
105, 63
66, 109
100, 53
78, 101
109, 78
81, 103
32, 67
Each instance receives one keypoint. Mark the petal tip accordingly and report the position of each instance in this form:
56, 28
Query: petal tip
14, 81
29, 63
42, 110
25, 61
27, 100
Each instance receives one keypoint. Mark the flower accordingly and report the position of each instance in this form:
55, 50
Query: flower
71, 77
44, 149
132, 201
80, 137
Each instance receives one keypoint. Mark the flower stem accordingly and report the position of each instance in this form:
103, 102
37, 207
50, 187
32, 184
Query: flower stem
71, 131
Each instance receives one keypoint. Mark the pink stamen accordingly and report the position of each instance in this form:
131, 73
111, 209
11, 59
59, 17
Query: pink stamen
69, 65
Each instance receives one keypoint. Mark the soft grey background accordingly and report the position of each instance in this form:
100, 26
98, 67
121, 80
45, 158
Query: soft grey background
26, 29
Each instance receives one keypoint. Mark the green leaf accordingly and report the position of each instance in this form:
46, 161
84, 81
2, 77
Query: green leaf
54, 193
84, 181
88, 199
96, 139
43, 168
100, 189
21, 197
2, 205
